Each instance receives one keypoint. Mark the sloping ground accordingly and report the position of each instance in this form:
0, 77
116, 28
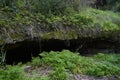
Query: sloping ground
90, 23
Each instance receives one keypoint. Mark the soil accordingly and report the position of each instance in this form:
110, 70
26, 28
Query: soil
45, 71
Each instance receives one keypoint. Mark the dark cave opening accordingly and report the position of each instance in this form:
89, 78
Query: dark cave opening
21, 52
24, 51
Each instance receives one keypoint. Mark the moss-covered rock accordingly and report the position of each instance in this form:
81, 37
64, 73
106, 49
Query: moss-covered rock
24, 25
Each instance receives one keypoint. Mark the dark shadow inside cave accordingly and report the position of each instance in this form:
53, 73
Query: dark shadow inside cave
21, 52
24, 51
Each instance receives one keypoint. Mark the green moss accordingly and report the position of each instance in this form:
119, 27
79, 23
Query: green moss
17, 36
60, 35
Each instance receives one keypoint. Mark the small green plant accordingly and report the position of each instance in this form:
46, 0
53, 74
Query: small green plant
111, 58
65, 58
36, 61
12, 73
2, 57
59, 73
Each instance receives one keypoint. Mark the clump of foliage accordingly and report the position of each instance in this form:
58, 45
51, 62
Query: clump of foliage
111, 58
11, 73
88, 23
67, 61
51, 7
16, 72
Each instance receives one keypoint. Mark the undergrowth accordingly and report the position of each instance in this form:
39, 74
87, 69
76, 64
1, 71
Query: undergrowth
65, 63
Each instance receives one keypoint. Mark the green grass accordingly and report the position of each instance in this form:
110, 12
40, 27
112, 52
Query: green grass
62, 64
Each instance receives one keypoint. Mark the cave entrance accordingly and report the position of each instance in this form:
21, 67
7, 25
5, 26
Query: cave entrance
21, 51
25, 50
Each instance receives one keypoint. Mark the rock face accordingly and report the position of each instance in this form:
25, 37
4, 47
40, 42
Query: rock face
24, 42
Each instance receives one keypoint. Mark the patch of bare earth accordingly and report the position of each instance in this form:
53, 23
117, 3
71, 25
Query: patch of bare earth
37, 72
46, 70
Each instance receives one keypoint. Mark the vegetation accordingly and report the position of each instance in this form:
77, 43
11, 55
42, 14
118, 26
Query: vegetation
52, 7
58, 19
2, 57
87, 23
63, 63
